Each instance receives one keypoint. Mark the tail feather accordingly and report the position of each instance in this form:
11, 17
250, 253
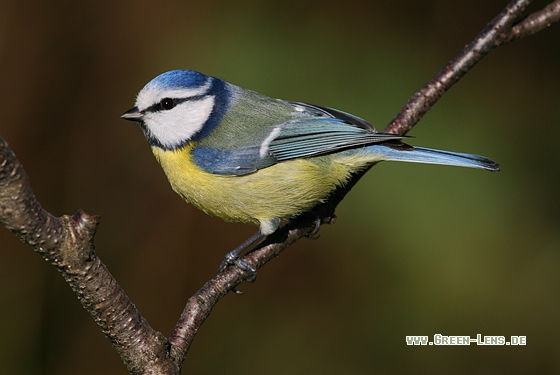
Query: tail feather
431, 156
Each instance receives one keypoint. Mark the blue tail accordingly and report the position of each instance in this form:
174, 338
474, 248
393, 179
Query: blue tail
431, 156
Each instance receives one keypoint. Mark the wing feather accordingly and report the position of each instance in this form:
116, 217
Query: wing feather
319, 136
312, 131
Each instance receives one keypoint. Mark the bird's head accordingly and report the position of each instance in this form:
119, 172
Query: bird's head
179, 106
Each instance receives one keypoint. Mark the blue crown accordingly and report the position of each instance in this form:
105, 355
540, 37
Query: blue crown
179, 79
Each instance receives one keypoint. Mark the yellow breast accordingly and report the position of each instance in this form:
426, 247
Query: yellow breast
280, 191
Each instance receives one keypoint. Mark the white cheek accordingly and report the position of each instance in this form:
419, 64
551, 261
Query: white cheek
175, 126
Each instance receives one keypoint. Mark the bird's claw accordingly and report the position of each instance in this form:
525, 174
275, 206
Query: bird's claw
248, 268
229, 260
312, 235
233, 259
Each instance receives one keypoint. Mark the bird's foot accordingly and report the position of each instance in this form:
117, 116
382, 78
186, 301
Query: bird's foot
313, 234
232, 258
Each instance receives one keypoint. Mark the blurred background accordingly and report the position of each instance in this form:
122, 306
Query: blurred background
416, 250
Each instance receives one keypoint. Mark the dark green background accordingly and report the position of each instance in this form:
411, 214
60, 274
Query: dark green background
417, 249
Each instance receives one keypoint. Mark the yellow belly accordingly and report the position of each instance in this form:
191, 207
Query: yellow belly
280, 191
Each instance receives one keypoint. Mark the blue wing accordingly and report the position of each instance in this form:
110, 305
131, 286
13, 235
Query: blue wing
316, 131
316, 136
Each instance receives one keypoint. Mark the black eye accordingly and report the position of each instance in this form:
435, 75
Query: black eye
167, 103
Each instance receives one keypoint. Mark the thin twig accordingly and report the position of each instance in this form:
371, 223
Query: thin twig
488, 39
534, 23
200, 305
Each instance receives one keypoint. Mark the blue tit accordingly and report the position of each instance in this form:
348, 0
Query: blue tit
243, 156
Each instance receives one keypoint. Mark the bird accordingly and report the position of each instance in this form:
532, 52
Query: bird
245, 157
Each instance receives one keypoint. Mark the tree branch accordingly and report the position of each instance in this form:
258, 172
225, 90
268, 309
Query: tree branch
67, 243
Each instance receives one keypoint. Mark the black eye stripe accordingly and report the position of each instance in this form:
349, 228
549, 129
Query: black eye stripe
169, 103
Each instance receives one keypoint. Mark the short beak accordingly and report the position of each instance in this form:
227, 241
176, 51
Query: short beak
133, 114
